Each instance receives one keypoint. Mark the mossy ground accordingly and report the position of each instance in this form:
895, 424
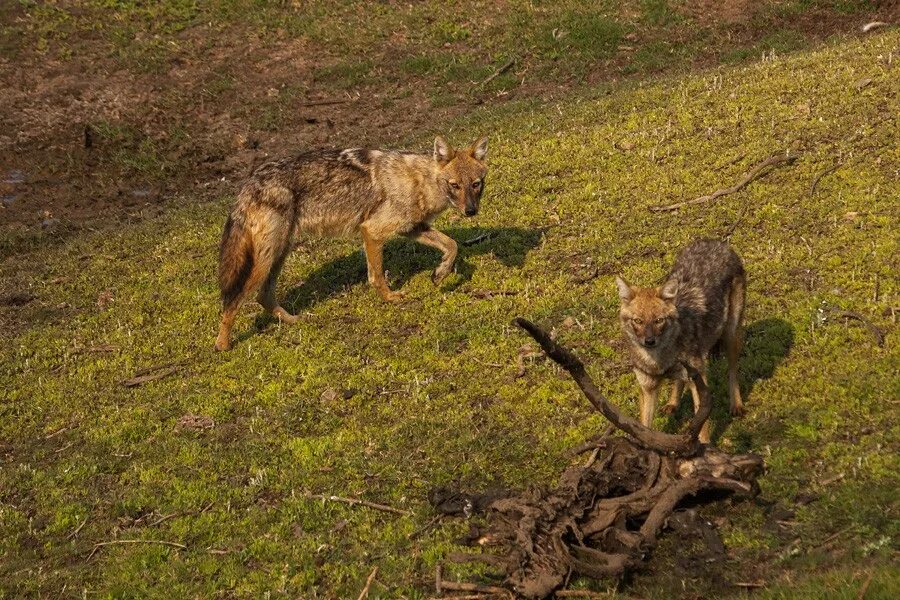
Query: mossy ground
431, 394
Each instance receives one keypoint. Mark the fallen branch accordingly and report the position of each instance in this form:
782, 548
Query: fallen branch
506, 67
357, 502
365, 591
755, 173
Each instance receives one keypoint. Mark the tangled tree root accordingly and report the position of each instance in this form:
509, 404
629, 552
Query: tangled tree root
603, 518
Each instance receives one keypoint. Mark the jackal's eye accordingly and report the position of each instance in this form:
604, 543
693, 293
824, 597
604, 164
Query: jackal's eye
476, 185
637, 321
660, 320
454, 185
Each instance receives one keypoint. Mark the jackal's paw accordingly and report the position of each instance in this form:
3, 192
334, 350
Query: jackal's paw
222, 345
393, 297
668, 409
284, 316
440, 274
737, 411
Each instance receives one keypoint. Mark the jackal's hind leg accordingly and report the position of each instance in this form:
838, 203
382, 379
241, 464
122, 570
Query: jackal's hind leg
267, 292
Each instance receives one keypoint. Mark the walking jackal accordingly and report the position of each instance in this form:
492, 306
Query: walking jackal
700, 303
374, 193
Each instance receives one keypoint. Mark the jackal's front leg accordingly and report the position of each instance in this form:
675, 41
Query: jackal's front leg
444, 243
649, 396
374, 248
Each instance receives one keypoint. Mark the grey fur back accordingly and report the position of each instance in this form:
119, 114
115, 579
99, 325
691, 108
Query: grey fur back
331, 191
705, 271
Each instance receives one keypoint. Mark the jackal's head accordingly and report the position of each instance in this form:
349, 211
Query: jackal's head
461, 174
648, 315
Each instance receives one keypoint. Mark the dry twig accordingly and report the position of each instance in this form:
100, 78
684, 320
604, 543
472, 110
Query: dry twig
327, 102
478, 238
828, 171
755, 173
78, 529
855, 316
99, 545
355, 501
506, 67
365, 591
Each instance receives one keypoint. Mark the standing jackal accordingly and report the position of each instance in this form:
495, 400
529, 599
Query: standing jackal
376, 193
700, 303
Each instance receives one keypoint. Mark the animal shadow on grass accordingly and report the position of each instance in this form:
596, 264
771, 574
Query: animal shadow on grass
767, 343
405, 258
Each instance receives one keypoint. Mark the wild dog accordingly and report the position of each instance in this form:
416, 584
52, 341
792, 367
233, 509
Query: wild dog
699, 304
376, 194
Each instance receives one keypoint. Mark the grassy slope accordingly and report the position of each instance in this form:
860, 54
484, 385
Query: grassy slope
430, 407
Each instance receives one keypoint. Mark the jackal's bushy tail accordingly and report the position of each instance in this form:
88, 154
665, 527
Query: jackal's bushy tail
235, 259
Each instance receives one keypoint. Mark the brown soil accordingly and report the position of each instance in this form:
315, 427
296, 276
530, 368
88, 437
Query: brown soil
59, 166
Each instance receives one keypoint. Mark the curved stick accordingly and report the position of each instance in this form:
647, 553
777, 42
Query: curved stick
681, 444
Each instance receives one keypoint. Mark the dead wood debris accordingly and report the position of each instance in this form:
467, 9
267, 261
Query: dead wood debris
755, 173
601, 520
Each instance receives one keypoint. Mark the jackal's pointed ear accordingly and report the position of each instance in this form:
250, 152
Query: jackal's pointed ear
479, 149
668, 290
626, 293
443, 152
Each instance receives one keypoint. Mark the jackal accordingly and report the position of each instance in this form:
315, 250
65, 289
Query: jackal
374, 193
700, 303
